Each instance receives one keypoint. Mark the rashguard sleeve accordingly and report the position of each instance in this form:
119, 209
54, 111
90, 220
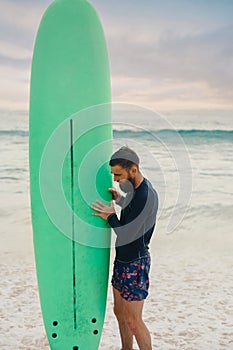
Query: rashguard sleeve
121, 201
139, 213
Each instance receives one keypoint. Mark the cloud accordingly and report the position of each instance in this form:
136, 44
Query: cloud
19, 21
168, 54
10, 50
14, 88
174, 53
18, 24
201, 63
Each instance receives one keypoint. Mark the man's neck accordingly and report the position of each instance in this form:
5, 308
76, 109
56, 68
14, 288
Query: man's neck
138, 180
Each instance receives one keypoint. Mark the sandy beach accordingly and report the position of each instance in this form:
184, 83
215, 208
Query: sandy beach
190, 305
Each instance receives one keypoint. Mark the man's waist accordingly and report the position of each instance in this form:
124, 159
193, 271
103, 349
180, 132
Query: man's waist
125, 255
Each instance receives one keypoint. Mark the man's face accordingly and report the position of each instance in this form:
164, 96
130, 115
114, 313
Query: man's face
125, 177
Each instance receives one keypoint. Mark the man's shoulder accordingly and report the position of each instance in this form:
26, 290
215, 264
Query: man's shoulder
149, 186
146, 189
151, 192
146, 196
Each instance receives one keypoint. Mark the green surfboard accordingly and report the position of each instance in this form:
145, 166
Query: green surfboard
70, 144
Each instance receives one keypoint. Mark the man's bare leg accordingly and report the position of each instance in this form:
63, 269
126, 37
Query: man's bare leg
133, 312
125, 332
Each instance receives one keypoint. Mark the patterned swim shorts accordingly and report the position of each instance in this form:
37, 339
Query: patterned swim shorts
132, 279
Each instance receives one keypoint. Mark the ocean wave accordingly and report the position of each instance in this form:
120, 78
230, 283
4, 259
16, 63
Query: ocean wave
143, 132
215, 174
199, 211
169, 133
13, 170
11, 178
11, 133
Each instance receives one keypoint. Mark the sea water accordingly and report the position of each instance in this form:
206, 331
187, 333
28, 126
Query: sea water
188, 160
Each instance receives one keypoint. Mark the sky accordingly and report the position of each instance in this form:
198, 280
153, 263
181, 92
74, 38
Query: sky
170, 55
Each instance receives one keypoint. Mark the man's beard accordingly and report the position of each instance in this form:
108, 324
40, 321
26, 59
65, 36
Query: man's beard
127, 185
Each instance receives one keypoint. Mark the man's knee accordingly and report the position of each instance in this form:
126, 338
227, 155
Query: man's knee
133, 323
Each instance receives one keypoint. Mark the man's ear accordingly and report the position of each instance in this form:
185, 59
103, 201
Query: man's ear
134, 170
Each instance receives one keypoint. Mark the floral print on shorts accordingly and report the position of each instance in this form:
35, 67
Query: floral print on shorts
132, 279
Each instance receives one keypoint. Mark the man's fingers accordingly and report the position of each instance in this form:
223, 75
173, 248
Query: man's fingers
114, 193
102, 210
96, 207
99, 206
98, 203
112, 189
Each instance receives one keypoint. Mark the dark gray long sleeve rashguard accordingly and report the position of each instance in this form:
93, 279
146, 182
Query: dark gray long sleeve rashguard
137, 222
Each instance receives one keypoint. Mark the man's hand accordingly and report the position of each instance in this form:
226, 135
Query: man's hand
115, 195
104, 211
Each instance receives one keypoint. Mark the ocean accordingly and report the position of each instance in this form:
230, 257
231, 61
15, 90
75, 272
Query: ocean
189, 164
188, 159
